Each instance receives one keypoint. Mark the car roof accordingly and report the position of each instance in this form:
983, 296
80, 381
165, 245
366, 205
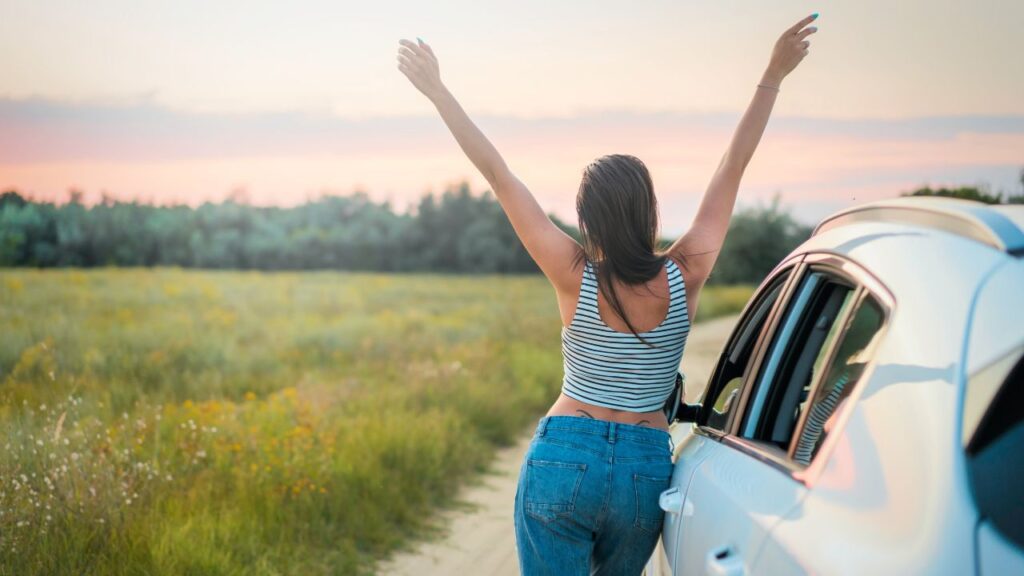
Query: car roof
1014, 212
950, 242
999, 226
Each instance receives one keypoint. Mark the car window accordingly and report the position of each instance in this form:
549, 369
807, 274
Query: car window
995, 468
797, 356
852, 355
727, 381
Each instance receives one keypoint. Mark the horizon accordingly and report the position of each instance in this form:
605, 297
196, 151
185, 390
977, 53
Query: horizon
190, 103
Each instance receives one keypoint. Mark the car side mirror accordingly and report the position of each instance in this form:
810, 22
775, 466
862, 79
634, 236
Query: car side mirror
676, 410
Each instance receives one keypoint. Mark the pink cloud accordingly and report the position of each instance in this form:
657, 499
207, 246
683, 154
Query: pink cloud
164, 156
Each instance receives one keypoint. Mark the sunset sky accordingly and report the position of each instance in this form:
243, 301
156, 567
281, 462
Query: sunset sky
187, 101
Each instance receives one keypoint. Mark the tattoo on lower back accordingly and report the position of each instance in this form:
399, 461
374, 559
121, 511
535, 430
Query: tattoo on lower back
584, 412
643, 423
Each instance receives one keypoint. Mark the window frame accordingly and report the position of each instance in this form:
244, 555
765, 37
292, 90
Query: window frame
752, 421
793, 267
865, 284
862, 294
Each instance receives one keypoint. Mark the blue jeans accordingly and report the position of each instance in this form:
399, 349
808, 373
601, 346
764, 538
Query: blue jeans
587, 499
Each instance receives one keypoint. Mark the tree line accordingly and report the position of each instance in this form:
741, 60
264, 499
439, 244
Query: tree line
455, 231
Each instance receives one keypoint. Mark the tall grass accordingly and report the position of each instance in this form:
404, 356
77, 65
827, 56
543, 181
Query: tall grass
181, 422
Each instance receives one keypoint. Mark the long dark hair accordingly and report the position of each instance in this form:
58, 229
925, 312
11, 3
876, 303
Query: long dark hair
618, 221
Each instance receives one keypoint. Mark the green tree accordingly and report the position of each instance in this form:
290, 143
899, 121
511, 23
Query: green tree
964, 192
1017, 198
454, 231
758, 238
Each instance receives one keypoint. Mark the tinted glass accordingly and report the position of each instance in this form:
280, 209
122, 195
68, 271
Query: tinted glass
852, 354
994, 462
728, 379
796, 357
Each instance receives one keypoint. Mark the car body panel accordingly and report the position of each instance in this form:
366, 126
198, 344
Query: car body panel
996, 335
997, 556
690, 452
998, 318
733, 501
892, 496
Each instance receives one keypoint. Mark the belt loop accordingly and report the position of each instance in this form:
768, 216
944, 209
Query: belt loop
611, 432
543, 426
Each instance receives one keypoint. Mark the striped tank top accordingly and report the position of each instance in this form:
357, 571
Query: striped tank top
605, 367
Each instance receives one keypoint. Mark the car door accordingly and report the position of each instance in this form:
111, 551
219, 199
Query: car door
733, 362
719, 400
748, 478
822, 405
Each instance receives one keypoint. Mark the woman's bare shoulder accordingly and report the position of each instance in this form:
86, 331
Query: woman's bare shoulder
567, 279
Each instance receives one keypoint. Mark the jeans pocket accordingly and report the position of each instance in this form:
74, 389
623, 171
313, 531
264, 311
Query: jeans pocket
649, 515
551, 488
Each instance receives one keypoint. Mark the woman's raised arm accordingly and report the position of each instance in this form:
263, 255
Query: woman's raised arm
702, 243
551, 248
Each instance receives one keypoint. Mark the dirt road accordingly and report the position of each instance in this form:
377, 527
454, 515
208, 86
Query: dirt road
482, 541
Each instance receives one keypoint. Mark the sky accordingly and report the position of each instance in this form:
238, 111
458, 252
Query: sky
192, 101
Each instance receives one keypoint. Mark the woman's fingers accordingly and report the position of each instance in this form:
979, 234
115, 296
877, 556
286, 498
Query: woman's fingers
412, 57
804, 22
409, 71
419, 51
426, 47
792, 46
405, 59
414, 73
806, 32
417, 62
410, 54
418, 57
404, 62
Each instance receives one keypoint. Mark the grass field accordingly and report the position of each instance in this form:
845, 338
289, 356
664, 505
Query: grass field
184, 422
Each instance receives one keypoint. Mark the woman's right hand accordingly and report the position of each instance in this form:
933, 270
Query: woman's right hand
790, 49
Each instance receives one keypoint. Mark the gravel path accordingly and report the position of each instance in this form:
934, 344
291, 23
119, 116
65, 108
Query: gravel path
481, 540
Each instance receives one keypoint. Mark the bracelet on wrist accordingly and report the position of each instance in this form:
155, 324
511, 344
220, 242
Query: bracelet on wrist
776, 88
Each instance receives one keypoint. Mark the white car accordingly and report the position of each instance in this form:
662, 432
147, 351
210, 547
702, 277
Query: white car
866, 415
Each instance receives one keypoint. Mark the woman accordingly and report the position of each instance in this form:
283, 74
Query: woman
587, 500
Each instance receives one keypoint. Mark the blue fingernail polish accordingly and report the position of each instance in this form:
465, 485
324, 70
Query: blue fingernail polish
420, 39
815, 15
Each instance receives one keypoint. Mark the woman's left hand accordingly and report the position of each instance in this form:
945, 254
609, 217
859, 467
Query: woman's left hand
790, 49
418, 63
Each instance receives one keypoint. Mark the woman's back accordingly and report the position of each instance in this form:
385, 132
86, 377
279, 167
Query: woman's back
646, 306
612, 368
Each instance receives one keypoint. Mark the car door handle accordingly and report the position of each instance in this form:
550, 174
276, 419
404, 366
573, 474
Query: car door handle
671, 500
724, 561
